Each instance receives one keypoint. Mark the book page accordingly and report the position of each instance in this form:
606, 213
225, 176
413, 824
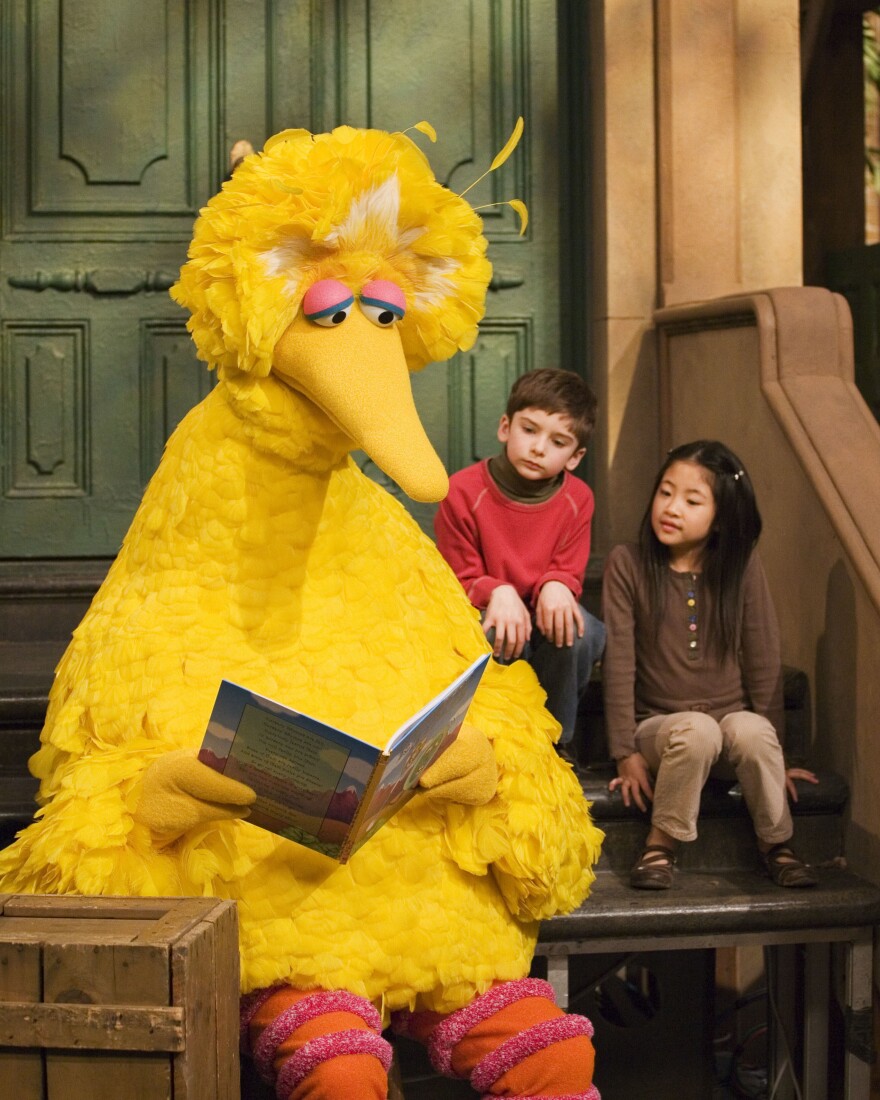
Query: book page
309, 777
415, 747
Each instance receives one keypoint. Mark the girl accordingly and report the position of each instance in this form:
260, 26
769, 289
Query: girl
692, 669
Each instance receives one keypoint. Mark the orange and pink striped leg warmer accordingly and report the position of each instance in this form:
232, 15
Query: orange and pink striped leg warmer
511, 1042
316, 1045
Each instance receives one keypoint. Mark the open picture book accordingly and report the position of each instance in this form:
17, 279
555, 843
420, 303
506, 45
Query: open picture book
325, 789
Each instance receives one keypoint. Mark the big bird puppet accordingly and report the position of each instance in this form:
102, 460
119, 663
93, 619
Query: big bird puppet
329, 266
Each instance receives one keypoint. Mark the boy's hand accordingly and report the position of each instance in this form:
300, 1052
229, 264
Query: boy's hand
510, 618
558, 615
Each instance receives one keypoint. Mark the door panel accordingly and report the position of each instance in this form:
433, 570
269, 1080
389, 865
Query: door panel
47, 387
117, 115
112, 101
75, 69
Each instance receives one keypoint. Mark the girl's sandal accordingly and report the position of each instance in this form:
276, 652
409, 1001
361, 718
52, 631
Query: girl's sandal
784, 867
654, 868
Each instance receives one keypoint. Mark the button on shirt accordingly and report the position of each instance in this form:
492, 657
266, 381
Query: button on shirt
645, 675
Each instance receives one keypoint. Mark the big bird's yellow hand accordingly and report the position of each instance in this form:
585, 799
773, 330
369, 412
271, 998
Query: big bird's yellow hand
466, 772
180, 792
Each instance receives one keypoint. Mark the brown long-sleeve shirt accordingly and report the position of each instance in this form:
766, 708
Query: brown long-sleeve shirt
644, 675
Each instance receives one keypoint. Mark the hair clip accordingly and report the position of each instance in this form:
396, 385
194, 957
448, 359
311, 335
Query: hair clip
738, 475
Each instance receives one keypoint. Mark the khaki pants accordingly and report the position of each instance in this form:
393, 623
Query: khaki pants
683, 750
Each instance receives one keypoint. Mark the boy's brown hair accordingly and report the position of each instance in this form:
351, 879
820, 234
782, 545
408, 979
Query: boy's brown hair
556, 391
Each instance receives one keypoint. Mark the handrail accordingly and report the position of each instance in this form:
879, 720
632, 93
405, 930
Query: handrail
805, 348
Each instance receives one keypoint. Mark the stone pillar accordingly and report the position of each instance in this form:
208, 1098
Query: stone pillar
696, 178
624, 263
729, 147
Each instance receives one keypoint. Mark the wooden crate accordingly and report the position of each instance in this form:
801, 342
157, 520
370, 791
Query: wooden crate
118, 997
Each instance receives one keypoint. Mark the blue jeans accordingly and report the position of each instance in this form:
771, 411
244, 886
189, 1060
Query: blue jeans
564, 671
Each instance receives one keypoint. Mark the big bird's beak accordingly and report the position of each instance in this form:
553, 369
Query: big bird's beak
357, 374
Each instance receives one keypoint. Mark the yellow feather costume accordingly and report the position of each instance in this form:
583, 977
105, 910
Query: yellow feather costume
262, 554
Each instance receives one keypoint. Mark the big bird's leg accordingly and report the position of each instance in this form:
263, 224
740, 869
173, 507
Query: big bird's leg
512, 1042
316, 1045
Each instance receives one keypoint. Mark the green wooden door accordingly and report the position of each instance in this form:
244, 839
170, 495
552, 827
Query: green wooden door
118, 115
855, 273
107, 154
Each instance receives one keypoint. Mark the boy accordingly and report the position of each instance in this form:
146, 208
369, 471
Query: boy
516, 531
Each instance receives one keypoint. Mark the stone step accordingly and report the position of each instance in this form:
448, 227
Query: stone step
726, 840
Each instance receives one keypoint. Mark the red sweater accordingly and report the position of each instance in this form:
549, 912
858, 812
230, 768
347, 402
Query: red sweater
489, 539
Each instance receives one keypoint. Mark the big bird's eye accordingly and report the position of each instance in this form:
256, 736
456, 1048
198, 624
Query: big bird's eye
327, 303
383, 303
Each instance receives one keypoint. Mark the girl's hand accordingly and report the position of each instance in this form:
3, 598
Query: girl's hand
634, 781
791, 774
510, 619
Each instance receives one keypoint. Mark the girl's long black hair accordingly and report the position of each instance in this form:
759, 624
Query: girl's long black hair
735, 531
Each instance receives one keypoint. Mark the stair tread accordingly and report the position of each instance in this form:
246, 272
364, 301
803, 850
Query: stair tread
829, 795
713, 903
26, 673
17, 798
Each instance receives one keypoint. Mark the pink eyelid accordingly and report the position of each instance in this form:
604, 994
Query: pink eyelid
324, 296
384, 291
